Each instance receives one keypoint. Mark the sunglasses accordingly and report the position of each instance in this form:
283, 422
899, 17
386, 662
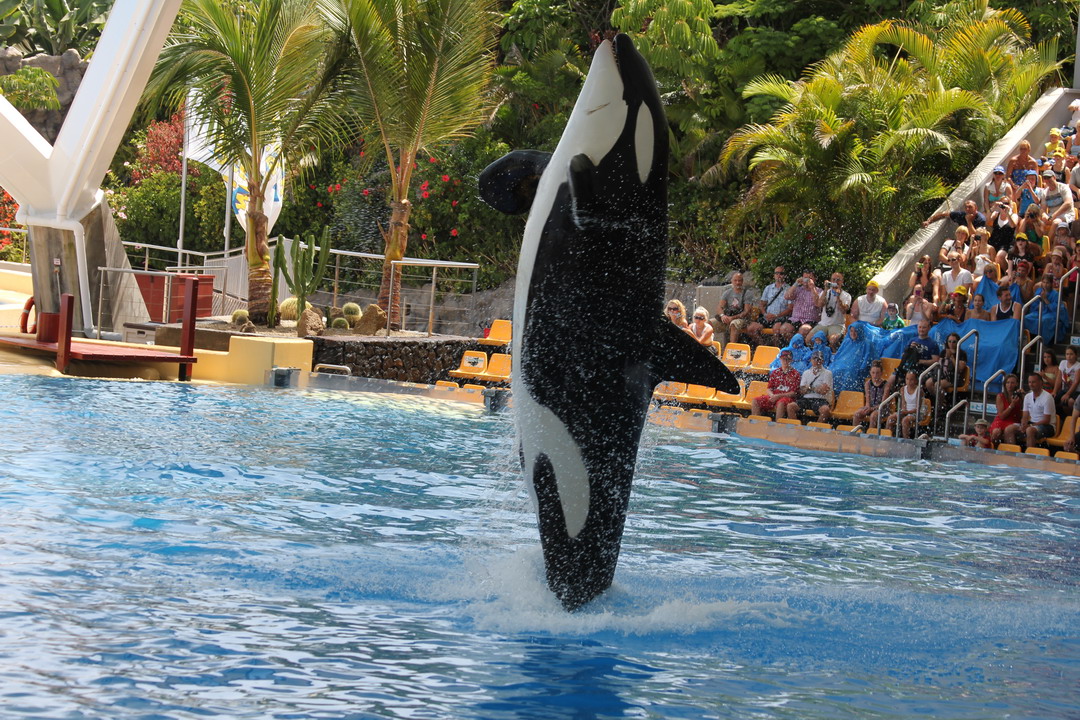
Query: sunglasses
699, 317
673, 309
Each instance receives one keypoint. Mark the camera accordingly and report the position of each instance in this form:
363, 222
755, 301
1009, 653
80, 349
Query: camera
831, 285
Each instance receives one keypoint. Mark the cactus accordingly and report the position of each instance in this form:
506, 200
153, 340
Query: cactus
239, 317
287, 309
350, 309
272, 315
308, 271
340, 324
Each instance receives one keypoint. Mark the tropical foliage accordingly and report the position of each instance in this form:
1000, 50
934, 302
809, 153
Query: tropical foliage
53, 26
31, 88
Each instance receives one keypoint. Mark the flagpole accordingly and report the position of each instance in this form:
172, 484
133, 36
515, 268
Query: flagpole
183, 192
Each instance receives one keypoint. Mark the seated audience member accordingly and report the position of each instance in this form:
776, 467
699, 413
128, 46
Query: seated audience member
1003, 222
803, 296
954, 366
774, 307
956, 276
733, 313
969, 216
800, 353
892, 320
1023, 278
925, 276
1037, 422
929, 350
999, 189
676, 313
1029, 195
804, 330
909, 407
956, 309
870, 307
1073, 442
835, 341
876, 388
983, 255
1049, 370
1010, 403
920, 308
1020, 163
1006, 308
834, 303
959, 244
978, 310
783, 388
1057, 267
700, 328
1020, 250
1063, 242
1059, 199
819, 342
1055, 143
1031, 228
980, 438
815, 389
1068, 380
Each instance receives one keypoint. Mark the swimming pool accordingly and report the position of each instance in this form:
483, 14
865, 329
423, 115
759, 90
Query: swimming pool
176, 551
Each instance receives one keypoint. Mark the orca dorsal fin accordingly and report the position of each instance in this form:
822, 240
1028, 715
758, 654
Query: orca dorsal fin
679, 357
509, 183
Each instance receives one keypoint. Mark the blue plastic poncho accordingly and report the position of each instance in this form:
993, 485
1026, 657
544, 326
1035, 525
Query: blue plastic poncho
851, 363
1049, 317
800, 354
819, 342
989, 290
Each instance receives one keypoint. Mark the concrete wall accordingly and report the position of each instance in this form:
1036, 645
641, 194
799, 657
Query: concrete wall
68, 69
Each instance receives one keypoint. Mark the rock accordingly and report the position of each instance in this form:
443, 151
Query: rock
310, 323
373, 320
247, 327
335, 313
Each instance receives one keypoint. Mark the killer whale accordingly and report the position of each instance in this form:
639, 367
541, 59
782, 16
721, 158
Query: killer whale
590, 343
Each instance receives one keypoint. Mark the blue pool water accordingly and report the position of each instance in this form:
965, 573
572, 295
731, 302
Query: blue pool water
173, 551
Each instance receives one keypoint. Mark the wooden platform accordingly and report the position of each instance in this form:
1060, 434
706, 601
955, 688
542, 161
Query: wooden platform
67, 348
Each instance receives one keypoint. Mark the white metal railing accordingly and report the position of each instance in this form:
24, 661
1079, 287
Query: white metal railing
986, 388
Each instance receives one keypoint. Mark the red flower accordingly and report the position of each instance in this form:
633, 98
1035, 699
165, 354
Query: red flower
366, 191
318, 204
311, 186
338, 186
423, 236
453, 233
536, 106
425, 194
431, 160
329, 188
424, 185
361, 153
453, 203
446, 178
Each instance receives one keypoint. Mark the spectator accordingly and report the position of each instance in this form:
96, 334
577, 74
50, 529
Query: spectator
1009, 404
969, 216
1059, 199
982, 255
997, 190
957, 307
892, 320
1003, 221
834, 302
1031, 228
732, 315
1072, 443
909, 407
783, 388
803, 295
1057, 267
876, 388
1020, 163
1063, 242
956, 276
819, 342
978, 310
1037, 422
1074, 175
954, 367
920, 308
1049, 370
1021, 249
1061, 171
700, 328
815, 389
980, 438
1029, 194
1007, 308
1022, 278
871, 306
1065, 391
929, 350
775, 308
1055, 142
959, 244
676, 313
925, 275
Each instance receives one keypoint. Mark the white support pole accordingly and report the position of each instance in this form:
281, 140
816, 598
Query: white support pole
183, 193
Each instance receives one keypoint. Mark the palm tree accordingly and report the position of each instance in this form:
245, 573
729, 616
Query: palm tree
421, 69
266, 80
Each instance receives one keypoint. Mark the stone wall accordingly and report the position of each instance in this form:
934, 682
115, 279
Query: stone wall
68, 68
419, 360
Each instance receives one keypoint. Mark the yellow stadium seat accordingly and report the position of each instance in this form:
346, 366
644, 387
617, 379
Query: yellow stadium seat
757, 388
844, 428
1008, 447
446, 383
790, 421
1037, 451
473, 386
888, 366
763, 357
696, 394
1064, 435
498, 369
885, 432
723, 399
848, 402
473, 363
1062, 455
736, 356
499, 335
669, 390
823, 426
759, 418
700, 411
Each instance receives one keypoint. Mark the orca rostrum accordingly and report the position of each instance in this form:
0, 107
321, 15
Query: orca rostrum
590, 342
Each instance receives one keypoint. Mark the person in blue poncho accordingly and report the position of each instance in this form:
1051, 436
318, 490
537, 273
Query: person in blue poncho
1050, 303
820, 341
852, 361
800, 354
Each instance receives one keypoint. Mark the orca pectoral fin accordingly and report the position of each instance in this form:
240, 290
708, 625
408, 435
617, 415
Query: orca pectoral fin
509, 183
678, 356
583, 192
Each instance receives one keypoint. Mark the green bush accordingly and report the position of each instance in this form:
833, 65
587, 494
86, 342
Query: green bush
148, 213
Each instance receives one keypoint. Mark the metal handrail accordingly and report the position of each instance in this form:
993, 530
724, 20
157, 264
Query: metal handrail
1023, 355
434, 265
1057, 317
884, 405
919, 391
986, 387
971, 366
1023, 315
948, 416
